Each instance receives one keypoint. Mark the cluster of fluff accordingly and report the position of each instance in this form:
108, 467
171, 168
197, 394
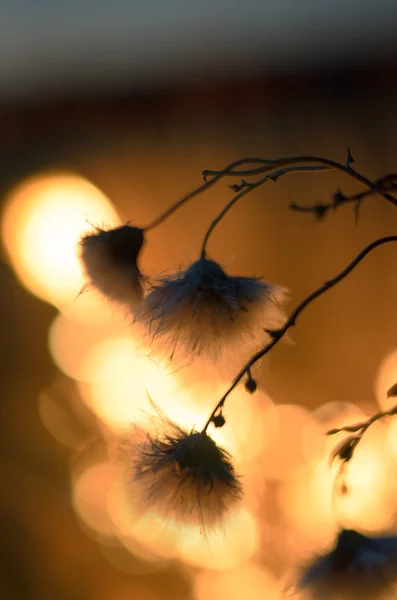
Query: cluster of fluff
203, 310
109, 259
182, 476
357, 568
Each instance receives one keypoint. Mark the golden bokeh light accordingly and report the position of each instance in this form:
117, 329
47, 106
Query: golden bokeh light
392, 435
337, 414
251, 423
370, 502
225, 548
387, 377
91, 353
90, 308
56, 415
146, 536
249, 581
306, 505
334, 415
43, 220
313, 501
285, 451
90, 490
126, 397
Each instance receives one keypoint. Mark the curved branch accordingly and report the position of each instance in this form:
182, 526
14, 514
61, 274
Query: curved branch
202, 188
279, 333
271, 164
226, 209
246, 188
362, 427
268, 165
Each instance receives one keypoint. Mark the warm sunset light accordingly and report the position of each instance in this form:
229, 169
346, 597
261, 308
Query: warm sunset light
103, 501
294, 429
90, 353
185, 459
224, 549
43, 220
372, 499
123, 383
387, 377
90, 491
249, 581
146, 535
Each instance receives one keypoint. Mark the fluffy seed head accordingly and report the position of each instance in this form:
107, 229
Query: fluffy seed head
204, 310
357, 568
182, 476
109, 260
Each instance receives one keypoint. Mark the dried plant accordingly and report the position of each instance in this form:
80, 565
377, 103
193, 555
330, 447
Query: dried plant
109, 259
357, 568
203, 310
180, 475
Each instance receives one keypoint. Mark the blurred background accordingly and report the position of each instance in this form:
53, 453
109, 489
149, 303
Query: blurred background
108, 113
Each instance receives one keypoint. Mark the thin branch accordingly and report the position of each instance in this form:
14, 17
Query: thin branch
202, 188
228, 206
347, 169
321, 209
268, 165
362, 427
380, 186
245, 188
279, 333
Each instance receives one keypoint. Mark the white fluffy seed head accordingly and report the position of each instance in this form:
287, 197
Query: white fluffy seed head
182, 476
204, 310
357, 568
109, 259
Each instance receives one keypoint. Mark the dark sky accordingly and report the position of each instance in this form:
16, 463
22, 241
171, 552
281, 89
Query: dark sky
50, 47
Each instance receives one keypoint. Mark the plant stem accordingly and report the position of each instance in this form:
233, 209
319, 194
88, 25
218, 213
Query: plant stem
279, 333
331, 164
268, 165
362, 427
271, 175
226, 209
202, 188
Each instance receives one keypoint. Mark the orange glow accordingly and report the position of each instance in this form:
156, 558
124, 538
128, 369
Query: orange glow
333, 415
392, 435
91, 353
220, 550
150, 537
43, 220
311, 501
224, 549
387, 376
56, 417
370, 503
117, 380
125, 397
251, 423
249, 581
306, 503
285, 451
90, 498
119, 400
146, 536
